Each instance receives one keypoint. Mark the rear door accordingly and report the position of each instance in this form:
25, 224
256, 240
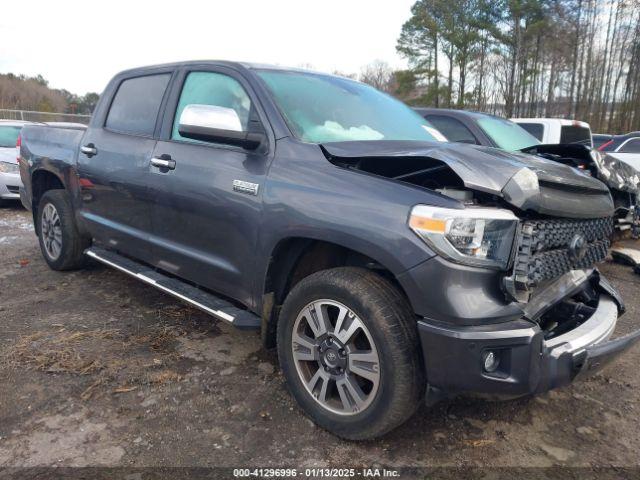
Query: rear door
206, 226
114, 165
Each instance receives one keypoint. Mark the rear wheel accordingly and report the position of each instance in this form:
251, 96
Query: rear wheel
61, 244
348, 347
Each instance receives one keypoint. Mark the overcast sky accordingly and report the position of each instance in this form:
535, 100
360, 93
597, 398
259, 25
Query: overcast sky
79, 45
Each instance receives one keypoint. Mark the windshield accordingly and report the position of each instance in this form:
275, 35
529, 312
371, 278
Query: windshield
321, 108
507, 135
9, 136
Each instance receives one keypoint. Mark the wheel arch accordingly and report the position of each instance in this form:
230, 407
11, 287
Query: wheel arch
42, 181
294, 258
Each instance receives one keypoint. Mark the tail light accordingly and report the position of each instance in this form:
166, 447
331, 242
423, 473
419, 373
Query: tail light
18, 143
604, 145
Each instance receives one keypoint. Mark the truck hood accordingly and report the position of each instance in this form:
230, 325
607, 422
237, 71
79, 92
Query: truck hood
563, 191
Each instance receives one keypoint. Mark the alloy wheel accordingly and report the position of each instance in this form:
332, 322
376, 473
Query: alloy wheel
51, 231
335, 357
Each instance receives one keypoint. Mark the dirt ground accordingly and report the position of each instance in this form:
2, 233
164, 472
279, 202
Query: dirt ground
97, 369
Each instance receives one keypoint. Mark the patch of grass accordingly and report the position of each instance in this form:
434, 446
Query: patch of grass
110, 355
59, 351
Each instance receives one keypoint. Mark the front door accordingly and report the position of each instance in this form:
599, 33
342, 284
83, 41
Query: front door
114, 167
208, 207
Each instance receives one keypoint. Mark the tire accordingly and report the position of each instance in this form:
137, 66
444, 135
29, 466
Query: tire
57, 227
386, 396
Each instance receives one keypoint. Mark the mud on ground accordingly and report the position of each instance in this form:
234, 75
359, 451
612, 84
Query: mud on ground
97, 369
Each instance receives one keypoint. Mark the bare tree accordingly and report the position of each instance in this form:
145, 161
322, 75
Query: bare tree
378, 74
570, 58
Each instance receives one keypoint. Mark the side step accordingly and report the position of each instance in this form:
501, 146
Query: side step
205, 301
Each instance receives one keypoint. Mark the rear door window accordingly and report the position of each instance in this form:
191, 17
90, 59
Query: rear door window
575, 134
453, 129
135, 107
535, 129
631, 146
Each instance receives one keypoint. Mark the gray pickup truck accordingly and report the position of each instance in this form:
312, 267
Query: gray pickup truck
386, 267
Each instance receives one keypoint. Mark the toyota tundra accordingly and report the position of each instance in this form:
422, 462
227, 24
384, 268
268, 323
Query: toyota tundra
387, 268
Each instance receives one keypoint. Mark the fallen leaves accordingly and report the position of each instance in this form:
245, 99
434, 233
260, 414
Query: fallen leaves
124, 389
165, 376
482, 442
88, 392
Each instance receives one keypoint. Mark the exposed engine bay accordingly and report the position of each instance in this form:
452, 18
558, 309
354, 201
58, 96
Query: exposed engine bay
424, 172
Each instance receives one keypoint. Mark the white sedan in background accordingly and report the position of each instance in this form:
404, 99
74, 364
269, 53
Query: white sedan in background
10, 182
625, 148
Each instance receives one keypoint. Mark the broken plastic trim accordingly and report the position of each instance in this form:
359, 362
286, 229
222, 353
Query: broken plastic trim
565, 287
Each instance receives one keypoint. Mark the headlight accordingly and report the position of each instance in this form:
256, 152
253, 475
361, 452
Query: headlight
474, 236
6, 167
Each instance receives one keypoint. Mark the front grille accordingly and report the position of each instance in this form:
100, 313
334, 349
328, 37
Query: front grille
547, 249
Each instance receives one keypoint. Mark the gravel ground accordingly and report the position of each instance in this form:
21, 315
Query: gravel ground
97, 369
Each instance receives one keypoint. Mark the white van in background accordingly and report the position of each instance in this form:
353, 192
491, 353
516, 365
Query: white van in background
557, 130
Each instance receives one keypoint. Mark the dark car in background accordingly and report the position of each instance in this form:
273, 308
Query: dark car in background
613, 143
478, 128
599, 139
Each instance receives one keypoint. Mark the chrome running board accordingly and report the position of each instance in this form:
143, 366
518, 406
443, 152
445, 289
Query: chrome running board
186, 292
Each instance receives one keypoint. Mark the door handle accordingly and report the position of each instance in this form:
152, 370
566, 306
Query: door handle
164, 161
89, 150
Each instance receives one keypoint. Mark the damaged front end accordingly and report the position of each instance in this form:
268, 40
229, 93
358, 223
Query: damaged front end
564, 333
488, 176
532, 312
622, 179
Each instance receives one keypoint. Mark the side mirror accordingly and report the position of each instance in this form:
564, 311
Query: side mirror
211, 123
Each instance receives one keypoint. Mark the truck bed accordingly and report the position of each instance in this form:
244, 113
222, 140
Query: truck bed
44, 142
47, 147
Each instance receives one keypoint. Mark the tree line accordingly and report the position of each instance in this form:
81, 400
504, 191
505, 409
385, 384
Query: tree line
20, 92
525, 58
516, 58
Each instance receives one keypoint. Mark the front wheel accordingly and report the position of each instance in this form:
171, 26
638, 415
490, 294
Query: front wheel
348, 347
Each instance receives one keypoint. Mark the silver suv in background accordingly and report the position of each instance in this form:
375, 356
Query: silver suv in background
10, 182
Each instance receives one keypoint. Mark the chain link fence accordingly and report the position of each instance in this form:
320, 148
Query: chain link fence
31, 116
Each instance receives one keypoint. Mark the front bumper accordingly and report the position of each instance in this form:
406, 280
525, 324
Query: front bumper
528, 363
10, 184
